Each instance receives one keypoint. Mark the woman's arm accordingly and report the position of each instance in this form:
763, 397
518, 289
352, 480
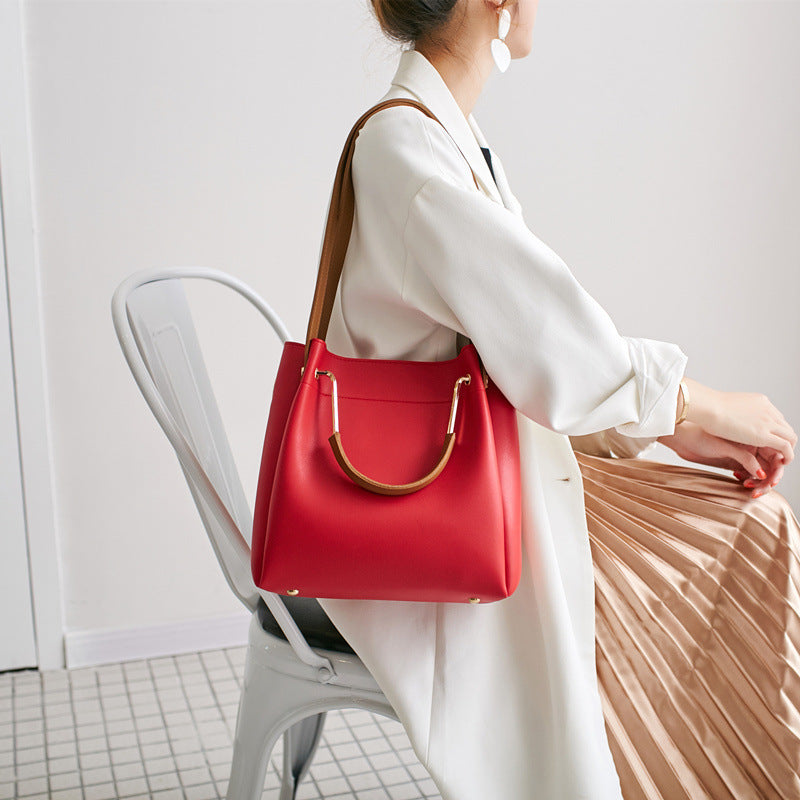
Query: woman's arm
550, 347
474, 266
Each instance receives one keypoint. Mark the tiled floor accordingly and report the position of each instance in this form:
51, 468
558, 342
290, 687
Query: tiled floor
163, 728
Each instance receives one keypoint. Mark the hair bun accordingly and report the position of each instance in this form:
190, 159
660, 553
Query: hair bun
411, 20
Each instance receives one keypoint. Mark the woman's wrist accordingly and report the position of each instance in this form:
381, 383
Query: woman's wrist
672, 440
702, 403
681, 415
701, 409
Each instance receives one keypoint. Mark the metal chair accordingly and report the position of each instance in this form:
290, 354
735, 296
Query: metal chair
298, 666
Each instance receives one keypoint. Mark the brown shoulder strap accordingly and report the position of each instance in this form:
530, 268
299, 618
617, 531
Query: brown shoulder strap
339, 226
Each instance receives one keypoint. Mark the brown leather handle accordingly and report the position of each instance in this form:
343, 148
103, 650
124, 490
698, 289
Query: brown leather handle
365, 482
339, 225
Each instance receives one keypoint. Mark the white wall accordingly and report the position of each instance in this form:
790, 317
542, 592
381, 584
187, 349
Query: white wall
652, 144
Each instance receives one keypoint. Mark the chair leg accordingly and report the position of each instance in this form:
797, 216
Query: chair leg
268, 697
299, 745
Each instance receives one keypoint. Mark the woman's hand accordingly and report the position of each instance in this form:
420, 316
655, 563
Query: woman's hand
760, 468
746, 418
772, 463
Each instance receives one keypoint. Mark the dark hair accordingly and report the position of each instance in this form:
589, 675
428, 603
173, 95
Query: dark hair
414, 21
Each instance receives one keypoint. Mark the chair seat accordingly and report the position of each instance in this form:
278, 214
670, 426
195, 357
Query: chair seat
312, 620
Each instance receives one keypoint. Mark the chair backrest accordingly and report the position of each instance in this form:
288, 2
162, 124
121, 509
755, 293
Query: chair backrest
165, 335
157, 334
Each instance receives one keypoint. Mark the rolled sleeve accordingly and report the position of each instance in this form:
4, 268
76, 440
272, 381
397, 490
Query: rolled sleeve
659, 368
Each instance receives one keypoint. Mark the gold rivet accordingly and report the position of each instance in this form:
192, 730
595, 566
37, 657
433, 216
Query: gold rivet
292, 592
474, 599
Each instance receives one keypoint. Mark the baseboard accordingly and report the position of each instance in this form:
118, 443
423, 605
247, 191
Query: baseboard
114, 645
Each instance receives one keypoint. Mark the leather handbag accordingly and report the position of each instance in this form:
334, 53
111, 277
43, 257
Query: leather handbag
384, 479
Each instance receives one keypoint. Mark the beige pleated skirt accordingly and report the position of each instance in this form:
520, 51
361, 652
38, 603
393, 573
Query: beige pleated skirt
697, 599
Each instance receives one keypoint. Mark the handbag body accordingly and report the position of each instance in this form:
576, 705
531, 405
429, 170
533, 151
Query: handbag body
384, 479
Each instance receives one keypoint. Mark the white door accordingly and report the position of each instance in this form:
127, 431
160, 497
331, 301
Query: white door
17, 640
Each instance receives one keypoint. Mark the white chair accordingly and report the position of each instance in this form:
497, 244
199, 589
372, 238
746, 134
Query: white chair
298, 666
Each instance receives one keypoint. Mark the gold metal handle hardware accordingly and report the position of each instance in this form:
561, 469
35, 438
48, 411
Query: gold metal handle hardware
390, 488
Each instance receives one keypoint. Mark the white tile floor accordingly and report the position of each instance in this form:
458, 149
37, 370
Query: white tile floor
163, 728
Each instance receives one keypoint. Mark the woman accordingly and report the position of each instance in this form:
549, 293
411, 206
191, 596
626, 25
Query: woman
502, 701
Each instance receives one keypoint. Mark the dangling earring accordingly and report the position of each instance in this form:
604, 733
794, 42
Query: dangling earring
500, 52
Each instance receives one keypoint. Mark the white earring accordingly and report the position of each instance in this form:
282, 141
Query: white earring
500, 51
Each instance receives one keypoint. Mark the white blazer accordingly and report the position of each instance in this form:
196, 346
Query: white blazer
501, 700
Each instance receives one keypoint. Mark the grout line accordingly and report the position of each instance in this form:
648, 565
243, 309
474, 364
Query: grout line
399, 758
163, 719
135, 728
338, 763
376, 720
14, 764
44, 737
48, 776
105, 732
216, 705
75, 729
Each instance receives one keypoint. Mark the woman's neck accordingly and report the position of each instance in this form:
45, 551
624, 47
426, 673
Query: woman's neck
464, 80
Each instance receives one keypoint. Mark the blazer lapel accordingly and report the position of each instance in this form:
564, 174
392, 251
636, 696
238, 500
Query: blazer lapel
417, 76
509, 200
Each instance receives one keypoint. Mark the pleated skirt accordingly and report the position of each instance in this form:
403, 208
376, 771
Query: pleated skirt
697, 631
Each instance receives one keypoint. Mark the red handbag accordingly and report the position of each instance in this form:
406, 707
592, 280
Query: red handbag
384, 479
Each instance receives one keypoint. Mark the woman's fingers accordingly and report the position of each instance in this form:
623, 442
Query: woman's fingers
778, 470
784, 429
773, 467
765, 470
749, 461
782, 445
767, 464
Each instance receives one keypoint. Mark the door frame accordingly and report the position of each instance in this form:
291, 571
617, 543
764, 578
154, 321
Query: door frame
27, 339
